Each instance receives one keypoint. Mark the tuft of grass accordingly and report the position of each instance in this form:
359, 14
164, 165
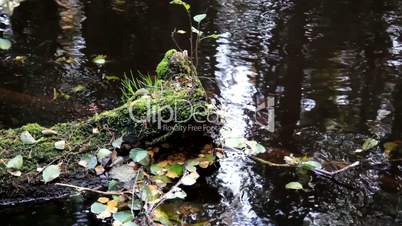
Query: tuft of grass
130, 85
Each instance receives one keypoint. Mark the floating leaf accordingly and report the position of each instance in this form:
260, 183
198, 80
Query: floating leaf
156, 169
112, 78
60, 145
78, 88
161, 216
236, 142
88, 161
310, 165
135, 205
103, 200
123, 173
199, 18
129, 224
123, 216
176, 193
190, 179
369, 143
5, 44
161, 179
50, 173
98, 208
140, 155
294, 186
254, 148
27, 138
99, 59
117, 143
99, 170
112, 185
175, 171
389, 147
112, 206
15, 163
103, 153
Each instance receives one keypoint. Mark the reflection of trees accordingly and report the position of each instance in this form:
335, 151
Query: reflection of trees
70, 38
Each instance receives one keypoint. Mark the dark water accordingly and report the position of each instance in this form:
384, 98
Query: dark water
332, 67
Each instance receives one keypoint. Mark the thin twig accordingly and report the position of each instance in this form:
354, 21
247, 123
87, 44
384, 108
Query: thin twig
174, 40
332, 173
133, 191
266, 162
93, 190
164, 196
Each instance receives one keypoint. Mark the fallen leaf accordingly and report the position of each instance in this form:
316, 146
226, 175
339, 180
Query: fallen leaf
60, 145
27, 138
103, 200
294, 186
50, 173
15, 163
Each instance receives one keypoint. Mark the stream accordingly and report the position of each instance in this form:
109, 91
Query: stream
331, 70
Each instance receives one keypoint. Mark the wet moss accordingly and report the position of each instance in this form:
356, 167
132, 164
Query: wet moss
79, 135
163, 67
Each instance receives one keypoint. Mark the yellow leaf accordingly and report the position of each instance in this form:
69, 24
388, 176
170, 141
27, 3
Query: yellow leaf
103, 200
112, 203
172, 174
204, 164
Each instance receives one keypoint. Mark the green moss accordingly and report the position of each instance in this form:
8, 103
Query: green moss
80, 138
163, 67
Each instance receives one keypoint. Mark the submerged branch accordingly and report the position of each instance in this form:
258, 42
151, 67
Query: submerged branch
322, 172
80, 189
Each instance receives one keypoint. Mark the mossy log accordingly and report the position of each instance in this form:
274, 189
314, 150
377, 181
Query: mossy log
99, 131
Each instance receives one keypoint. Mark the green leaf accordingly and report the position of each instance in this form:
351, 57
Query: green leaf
60, 145
390, 147
156, 169
199, 18
176, 193
15, 163
140, 155
123, 216
88, 161
99, 59
103, 153
255, 148
369, 143
50, 173
27, 138
161, 179
310, 165
117, 143
175, 170
294, 186
136, 205
195, 30
236, 142
190, 179
182, 3
78, 88
5, 44
98, 208
213, 36
130, 224
112, 78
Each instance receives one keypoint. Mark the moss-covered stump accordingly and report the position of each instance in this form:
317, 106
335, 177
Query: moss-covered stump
146, 118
